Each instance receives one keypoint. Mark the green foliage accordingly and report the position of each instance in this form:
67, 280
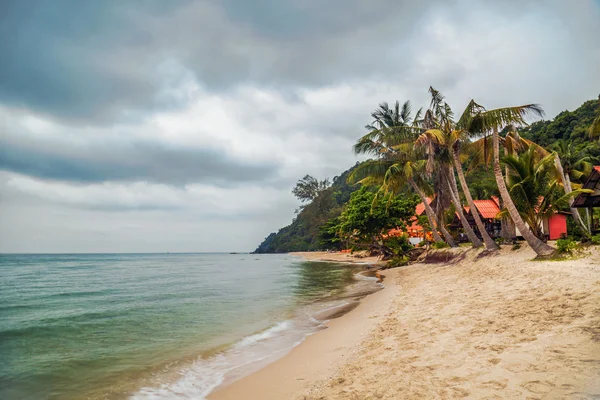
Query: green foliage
329, 237
573, 126
440, 245
566, 245
482, 183
367, 218
308, 188
398, 244
516, 246
534, 188
399, 261
596, 239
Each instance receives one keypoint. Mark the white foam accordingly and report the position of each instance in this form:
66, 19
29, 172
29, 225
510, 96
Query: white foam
269, 333
204, 375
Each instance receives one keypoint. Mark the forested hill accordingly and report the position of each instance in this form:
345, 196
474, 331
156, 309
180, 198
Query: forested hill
568, 125
303, 233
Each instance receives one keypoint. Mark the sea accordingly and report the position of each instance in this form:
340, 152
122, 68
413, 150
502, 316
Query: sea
157, 326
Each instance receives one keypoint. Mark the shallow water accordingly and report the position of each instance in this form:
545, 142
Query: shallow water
153, 326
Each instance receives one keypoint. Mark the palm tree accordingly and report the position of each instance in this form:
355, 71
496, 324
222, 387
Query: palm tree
485, 120
512, 144
443, 143
389, 140
535, 189
572, 162
436, 142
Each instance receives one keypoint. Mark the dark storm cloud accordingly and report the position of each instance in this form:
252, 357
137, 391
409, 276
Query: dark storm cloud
128, 161
93, 60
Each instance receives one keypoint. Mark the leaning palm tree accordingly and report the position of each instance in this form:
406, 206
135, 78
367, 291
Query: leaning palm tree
443, 142
484, 121
437, 143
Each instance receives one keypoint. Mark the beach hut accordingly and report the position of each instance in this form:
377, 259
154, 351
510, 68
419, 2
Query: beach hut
591, 200
488, 209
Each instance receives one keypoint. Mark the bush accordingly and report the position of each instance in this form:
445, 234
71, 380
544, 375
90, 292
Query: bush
596, 239
566, 245
400, 261
398, 244
516, 245
440, 245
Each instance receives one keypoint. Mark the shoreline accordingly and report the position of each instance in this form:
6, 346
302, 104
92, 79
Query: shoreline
333, 344
477, 325
338, 257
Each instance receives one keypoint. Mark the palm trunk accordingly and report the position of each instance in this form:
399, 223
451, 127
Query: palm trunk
541, 248
567, 186
459, 210
431, 215
489, 242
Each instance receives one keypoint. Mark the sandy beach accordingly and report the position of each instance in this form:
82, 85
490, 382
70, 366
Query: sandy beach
477, 326
356, 258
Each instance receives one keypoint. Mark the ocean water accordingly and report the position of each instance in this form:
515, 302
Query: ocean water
155, 326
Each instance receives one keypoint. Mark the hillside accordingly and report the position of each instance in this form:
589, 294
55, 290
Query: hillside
568, 125
303, 233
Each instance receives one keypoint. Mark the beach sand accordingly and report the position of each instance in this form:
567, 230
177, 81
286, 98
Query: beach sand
356, 258
478, 326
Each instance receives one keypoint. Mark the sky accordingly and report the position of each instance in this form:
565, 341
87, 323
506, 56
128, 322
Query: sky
158, 126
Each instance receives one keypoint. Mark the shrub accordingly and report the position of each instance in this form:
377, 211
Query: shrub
516, 245
398, 244
400, 261
596, 239
440, 245
566, 245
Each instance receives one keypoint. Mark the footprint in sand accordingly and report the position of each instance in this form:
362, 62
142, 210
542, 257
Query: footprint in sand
493, 385
538, 387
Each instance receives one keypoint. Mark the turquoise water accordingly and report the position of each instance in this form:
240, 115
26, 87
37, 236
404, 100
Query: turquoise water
151, 325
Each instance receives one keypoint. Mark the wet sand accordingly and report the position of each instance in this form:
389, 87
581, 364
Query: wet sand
477, 326
357, 258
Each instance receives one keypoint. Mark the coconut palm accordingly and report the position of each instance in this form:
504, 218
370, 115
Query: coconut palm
435, 142
485, 120
390, 141
535, 189
442, 142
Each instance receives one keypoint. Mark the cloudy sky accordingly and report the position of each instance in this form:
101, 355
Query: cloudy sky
130, 126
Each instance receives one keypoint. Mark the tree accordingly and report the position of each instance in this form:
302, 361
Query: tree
535, 189
390, 140
443, 143
485, 120
366, 219
308, 188
572, 162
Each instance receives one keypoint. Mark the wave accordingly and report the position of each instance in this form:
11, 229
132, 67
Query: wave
204, 375
264, 335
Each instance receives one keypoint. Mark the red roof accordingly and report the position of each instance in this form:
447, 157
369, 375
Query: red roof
487, 208
421, 206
